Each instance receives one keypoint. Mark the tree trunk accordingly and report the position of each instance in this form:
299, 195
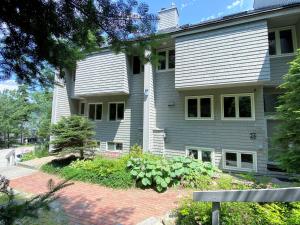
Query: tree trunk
8, 140
81, 153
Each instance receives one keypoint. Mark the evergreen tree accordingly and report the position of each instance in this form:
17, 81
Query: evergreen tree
73, 133
288, 136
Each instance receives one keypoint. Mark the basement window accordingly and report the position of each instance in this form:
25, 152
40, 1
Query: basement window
203, 154
240, 160
114, 146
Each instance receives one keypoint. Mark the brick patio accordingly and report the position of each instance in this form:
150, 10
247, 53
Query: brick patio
93, 204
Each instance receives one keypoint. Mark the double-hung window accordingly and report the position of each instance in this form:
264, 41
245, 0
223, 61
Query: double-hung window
238, 107
282, 41
199, 108
116, 111
203, 154
166, 60
95, 111
239, 160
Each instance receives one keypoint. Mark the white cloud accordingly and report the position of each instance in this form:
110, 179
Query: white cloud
8, 85
187, 3
236, 3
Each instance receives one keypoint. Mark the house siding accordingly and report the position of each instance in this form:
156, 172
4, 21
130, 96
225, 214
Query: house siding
267, 3
238, 54
279, 68
101, 74
128, 131
216, 134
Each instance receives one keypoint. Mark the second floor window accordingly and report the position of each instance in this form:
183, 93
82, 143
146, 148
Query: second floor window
166, 60
199, 107
137, 66
95, 111
116, 111
282, 41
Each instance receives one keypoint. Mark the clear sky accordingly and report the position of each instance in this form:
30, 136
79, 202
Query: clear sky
195, 11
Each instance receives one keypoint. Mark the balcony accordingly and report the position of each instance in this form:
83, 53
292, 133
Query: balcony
104, 73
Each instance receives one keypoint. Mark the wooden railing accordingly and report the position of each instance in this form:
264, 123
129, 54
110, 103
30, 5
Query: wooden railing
259, 195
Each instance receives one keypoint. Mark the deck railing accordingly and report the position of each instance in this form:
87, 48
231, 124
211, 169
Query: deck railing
259, 195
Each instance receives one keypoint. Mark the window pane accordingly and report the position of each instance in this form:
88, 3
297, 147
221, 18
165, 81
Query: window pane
92, 112
205, 107
193, 153
231, 159
162, 60
171, 59
98, 112
82, 106
229, 107
286, 41
192, 108
112, 111
111, 146
272, 43
136, 67
245, 106
119, 146
206, 156
120, 111
247, 161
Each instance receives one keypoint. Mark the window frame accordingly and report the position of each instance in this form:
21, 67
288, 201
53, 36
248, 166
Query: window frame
88, 111
239, 160
167, 50
211, 97
108, 110
237, 110
141, 66
278, 44
200, 150
79, 110
115, 142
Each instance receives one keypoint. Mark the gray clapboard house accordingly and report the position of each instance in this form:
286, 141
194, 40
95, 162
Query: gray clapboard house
212, 95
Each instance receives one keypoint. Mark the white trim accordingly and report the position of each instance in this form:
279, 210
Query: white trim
167, 50
237, 116
114, 142
200, 149
108, 110
211, 97
88, 110
277, 41
238, 154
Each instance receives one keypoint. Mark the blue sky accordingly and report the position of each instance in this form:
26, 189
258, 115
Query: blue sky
195, 11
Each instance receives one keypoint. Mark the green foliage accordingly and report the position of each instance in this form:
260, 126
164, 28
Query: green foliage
136, 150
288, 136
39, 152
73, 133
104, 171
161, 173
194, 213
13, 210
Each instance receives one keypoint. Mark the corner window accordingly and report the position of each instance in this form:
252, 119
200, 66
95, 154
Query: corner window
116, 111
282, 41
95, 111
82, 109
203, 154
114, 146
199, 108
166, 60
238, 107
240, 160
137, 66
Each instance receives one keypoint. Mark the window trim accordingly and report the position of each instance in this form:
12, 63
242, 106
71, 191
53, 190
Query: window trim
239, 161
237, 110
167, 60
200, 149
277, 41
212, 116
115, 142
109, 103
88, 111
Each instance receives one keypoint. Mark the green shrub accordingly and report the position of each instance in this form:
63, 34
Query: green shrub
136, 150
160, 173
233, 213
39, 152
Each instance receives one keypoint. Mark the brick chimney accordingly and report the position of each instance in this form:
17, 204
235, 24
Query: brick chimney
168, 18
258, 4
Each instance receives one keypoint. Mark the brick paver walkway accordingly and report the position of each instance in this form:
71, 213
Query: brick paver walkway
94, 204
